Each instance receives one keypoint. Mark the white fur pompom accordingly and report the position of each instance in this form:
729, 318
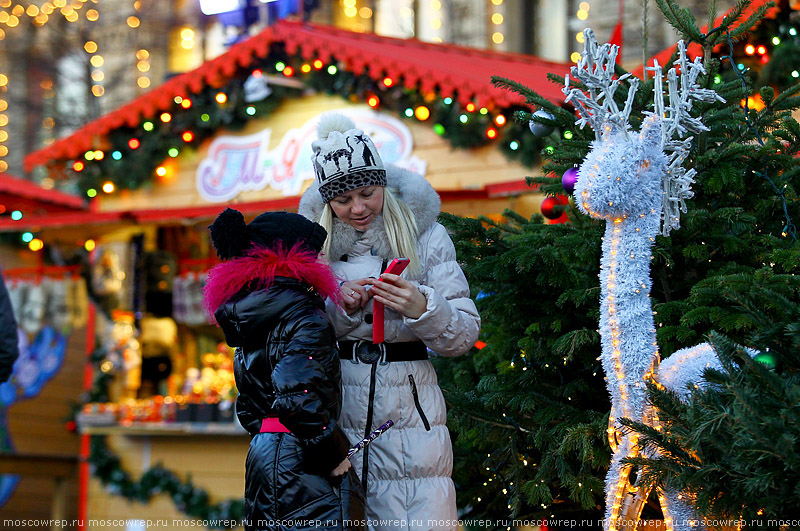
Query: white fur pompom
333, 121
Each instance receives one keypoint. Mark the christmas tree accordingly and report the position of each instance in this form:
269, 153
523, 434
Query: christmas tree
529, 410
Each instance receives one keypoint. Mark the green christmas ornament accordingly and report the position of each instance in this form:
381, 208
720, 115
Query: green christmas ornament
767, 358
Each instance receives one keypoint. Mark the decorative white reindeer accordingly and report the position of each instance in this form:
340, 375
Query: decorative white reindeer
636, 182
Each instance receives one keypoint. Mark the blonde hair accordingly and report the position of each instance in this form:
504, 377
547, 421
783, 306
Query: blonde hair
398, 222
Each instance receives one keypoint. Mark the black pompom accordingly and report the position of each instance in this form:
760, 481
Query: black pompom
229, 234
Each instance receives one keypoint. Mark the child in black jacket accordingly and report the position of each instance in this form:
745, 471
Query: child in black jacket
268, 296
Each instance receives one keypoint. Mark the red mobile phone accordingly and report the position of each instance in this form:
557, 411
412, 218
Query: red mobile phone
395, 267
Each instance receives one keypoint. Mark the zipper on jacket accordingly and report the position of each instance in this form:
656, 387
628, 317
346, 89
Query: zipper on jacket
417, 404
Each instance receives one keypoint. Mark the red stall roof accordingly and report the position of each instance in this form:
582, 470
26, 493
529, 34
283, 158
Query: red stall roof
20, 194
457, 71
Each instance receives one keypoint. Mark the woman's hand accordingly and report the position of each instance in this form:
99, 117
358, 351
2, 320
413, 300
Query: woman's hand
399, 294
354, 295
343, 467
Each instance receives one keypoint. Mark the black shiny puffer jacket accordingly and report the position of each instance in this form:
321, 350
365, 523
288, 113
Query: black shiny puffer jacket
287, 366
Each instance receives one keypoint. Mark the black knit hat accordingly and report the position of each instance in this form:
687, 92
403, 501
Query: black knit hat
232, 237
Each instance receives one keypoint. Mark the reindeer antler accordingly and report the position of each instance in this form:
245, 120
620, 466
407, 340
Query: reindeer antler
597, 108
676, 123
596, 71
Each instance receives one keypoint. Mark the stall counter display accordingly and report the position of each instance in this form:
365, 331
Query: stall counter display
207, 396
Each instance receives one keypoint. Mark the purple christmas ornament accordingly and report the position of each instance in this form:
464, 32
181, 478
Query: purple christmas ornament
569, 179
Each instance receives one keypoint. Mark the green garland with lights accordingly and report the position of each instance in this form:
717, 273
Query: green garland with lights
133, 157
106, 466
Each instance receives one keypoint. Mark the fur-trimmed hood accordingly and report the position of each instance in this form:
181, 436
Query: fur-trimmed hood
412, 188
258, 269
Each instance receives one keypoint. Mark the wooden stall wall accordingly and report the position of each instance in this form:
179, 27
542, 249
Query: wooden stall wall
37, 428
214, 463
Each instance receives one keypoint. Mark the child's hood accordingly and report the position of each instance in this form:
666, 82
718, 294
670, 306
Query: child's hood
257, 271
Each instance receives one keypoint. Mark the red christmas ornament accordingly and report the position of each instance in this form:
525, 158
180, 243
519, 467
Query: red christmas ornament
549, 207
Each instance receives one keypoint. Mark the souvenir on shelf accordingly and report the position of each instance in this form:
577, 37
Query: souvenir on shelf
59, 302
187, 299
124, 354
56, 309
30, 317
107, 279
158, 339
160, 268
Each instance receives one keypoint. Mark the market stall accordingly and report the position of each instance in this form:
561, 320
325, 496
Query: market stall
157, 424
39, 450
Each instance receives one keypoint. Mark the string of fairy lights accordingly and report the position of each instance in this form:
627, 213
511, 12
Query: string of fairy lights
14, 14
582, 14
3, 116
497, 20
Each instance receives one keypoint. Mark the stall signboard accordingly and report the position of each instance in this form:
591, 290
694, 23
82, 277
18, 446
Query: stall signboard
235, 164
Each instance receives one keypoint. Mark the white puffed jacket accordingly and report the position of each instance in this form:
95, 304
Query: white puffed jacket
409, 466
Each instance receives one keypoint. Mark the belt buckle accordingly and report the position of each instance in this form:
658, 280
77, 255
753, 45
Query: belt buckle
369, 353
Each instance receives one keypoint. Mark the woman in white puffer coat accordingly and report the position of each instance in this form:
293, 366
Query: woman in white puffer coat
374, 214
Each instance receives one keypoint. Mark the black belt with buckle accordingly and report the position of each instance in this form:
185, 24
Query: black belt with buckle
368, 352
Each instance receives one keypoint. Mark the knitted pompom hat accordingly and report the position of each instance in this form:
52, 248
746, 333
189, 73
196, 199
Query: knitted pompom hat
232, 237
344, 157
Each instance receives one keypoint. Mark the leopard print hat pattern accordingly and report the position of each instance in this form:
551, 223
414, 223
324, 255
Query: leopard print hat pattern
344, 157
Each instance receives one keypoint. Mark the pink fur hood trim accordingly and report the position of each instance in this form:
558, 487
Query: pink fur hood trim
262, 265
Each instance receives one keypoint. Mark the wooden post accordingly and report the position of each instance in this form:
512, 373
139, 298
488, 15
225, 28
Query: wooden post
83, 467
58, 508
